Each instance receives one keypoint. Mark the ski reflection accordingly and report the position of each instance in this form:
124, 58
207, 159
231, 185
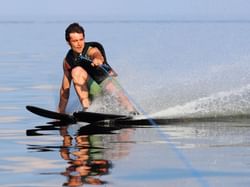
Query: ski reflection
88, 152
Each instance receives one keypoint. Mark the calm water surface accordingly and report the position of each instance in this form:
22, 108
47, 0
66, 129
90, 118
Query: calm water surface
36, 152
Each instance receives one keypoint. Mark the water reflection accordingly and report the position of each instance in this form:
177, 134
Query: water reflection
209, 134
87, 151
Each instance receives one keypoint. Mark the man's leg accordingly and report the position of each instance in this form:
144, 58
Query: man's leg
80, 79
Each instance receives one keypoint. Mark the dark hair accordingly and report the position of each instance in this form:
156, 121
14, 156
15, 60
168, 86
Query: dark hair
74, 27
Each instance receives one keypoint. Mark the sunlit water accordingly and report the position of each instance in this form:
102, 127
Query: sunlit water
169, 69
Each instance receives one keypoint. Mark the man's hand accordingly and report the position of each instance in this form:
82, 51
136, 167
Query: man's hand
96, 62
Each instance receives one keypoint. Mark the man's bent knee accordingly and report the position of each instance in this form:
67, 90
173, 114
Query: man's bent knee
79, 75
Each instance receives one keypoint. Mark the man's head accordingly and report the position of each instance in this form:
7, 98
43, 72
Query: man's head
74, 35
73, 28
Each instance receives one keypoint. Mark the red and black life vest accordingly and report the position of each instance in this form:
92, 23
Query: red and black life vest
97, 73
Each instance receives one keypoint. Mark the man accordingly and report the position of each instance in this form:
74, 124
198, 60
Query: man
76, 70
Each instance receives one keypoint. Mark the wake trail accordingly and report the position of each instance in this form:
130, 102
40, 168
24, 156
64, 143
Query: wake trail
234, 102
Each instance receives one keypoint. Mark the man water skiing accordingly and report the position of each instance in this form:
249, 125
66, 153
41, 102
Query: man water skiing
85, 65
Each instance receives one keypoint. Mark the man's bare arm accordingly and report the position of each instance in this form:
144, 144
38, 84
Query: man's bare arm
65, 89
96, 56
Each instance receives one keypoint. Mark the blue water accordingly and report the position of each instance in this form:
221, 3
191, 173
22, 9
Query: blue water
168, 68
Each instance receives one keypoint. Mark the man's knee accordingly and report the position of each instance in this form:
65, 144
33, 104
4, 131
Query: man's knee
79, 75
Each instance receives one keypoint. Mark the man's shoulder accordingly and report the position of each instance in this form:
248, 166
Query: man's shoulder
70, 52
69, 55
94, 44
98, 46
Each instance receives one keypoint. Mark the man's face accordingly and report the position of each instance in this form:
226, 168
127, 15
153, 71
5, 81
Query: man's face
76, 42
